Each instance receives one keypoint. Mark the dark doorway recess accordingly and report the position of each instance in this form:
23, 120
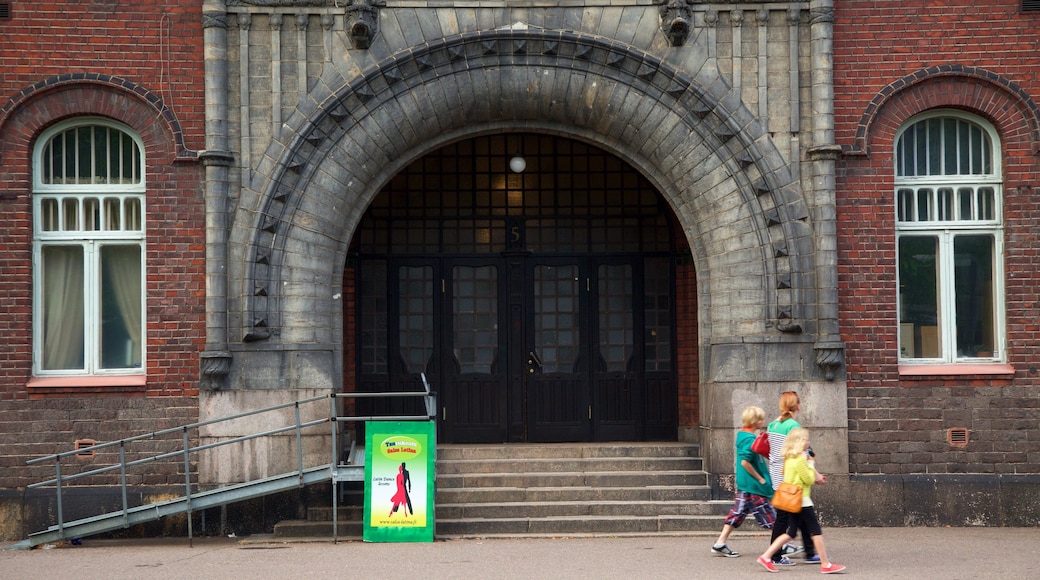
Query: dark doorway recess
540, 303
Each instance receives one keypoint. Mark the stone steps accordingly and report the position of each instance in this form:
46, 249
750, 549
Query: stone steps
528, 490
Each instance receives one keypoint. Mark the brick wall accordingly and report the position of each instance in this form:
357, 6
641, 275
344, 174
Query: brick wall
139, 63
974, 56
687, 341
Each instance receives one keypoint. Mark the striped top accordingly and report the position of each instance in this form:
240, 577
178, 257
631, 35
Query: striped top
778, 431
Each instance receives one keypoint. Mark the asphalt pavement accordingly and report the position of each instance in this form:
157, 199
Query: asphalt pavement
918, 553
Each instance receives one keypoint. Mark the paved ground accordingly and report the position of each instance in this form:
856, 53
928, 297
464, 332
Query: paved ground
918, 553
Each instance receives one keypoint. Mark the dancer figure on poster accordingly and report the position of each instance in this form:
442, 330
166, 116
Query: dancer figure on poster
407, 488
404, 485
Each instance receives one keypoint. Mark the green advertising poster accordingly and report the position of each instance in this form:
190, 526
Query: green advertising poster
399, 472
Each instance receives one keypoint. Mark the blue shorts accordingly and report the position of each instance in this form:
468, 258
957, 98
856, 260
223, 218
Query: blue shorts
756, 505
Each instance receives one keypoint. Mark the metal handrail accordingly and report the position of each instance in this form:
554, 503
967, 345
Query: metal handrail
186, 449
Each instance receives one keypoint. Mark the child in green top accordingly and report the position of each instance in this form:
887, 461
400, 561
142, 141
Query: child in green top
754, 487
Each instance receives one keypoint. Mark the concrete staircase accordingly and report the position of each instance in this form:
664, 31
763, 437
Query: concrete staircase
579, 489
572, 489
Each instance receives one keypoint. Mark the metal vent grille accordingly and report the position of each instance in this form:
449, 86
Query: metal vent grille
86, 444
957, 436
1030, 5
5, 10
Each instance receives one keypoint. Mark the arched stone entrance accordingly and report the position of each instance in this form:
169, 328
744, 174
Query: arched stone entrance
737, 199
729, 187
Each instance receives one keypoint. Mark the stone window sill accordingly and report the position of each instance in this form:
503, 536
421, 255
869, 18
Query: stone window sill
955, 370
92, 383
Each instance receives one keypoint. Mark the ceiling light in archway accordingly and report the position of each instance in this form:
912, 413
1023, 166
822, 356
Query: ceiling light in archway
517, 164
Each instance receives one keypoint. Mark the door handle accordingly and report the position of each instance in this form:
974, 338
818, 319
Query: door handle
533, 362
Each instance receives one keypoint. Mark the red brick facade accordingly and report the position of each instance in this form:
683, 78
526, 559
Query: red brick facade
979, 57
138, 63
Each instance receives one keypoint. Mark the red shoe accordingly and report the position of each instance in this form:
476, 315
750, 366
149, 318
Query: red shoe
831, 568
767, 564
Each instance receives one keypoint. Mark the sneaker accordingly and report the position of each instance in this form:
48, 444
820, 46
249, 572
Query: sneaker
767, 564
784, 561
814, 559
724, 550
831, 568
791, 549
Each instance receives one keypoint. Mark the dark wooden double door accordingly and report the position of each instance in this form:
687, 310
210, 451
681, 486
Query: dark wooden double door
526, 348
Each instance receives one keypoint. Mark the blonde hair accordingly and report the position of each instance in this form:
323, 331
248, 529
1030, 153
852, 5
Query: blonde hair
795, 443
752, 416
789, 403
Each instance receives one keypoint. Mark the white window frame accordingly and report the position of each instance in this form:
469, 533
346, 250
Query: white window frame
118, 209
931, 214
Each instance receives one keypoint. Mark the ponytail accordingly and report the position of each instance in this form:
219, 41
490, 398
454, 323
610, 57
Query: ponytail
789, 403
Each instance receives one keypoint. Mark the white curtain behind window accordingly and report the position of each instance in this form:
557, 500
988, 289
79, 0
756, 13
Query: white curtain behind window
62, 307
121, 266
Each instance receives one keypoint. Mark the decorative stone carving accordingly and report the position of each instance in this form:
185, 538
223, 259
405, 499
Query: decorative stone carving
362, 21
215, 368
830, 356
215, 20
676, 21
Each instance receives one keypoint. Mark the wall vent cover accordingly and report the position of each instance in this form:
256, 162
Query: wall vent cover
5, 10
957, 436
85, 444
1030, 5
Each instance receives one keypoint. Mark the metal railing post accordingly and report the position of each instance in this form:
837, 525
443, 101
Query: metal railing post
122, 483
334, 465
299, 444
187, 484
61, 515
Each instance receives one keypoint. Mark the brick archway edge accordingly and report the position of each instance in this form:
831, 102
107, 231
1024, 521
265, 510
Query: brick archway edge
23, 116
949, 85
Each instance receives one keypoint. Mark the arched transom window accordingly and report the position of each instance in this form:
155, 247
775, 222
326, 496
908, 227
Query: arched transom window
949, 232
88, 243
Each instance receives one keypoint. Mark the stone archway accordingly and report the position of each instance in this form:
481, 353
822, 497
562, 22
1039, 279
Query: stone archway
736, 198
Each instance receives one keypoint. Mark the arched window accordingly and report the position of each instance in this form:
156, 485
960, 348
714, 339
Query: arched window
88, 244
950, 245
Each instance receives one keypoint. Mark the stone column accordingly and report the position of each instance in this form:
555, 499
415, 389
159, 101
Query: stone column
217, 158
824, 153
828, 418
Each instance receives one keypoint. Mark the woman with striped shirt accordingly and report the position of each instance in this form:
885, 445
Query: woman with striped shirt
790, 405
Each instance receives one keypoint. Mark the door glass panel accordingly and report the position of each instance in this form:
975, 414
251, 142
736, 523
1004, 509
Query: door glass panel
615, 235
615, 316
373, 318
657, 311
415, 321
556, 235
556, 331
475, 317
